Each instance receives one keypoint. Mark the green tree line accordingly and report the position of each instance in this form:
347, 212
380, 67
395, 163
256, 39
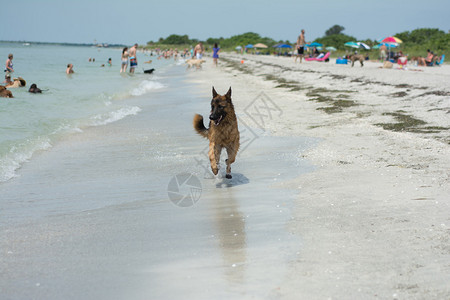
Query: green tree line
415, 42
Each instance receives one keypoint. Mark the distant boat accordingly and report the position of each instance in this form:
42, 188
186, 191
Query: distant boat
26, 44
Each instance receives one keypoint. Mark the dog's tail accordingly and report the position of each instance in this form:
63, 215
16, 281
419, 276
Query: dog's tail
199, 126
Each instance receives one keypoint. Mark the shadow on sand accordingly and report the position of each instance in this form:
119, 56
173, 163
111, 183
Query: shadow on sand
238, 179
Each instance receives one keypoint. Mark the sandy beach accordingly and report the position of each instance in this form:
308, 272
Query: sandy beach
340, 191
374, 217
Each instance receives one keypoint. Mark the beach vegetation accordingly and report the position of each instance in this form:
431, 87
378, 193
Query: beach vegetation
336, 29
335, 40
404, 122
415, 42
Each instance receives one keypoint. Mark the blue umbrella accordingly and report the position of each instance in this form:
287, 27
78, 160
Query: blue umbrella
249, 46
315, 44
282, 46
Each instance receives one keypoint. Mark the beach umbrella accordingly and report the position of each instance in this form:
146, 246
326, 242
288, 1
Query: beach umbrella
331, 48
238, 48
259, 45
315, 44
363, 45
352, 44
393, 45
282, 46
249, 46
391, 39
391, 42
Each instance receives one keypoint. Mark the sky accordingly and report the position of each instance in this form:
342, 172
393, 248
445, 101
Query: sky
140, 21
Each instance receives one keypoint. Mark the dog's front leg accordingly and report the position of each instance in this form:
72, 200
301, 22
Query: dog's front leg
231, 152
214, 157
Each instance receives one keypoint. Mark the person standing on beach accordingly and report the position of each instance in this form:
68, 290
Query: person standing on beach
216, 51
124, 60
199, 50
383, 50
133, 58
300, 46
9, 68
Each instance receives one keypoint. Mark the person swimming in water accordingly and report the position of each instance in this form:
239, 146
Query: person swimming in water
69, 69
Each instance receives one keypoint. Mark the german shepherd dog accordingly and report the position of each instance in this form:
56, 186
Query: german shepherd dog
222, 132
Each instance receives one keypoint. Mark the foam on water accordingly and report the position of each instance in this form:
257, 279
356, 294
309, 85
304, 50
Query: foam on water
146, 86
18, 155
103, 119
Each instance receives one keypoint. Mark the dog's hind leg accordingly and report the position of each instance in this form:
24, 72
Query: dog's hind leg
214, 157
231, 158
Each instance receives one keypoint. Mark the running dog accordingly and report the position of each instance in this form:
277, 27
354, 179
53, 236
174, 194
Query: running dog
355, 57
194, 62
222, 132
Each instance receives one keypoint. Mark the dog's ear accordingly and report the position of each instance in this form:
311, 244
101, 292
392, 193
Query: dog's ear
228, 95
214, 93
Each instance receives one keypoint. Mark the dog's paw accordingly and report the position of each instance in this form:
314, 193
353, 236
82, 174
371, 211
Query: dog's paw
215, 171
228, 176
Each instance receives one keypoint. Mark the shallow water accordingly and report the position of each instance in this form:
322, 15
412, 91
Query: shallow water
92, 217
93, 96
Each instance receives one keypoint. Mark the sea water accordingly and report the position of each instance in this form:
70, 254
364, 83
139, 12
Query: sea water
95, 95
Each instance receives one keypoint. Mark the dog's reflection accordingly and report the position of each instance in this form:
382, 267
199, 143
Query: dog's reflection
230, 223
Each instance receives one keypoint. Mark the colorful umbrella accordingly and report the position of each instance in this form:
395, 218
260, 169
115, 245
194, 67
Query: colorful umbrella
393, 45
391, 42
331, 48
391, 39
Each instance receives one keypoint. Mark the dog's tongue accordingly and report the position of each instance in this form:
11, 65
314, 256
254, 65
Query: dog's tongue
218, 121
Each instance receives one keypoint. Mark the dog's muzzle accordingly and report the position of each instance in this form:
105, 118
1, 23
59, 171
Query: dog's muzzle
215, 119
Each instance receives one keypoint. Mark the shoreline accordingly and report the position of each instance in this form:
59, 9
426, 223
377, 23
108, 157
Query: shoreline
374, 215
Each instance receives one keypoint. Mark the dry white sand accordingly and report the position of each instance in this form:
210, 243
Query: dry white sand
375, 216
